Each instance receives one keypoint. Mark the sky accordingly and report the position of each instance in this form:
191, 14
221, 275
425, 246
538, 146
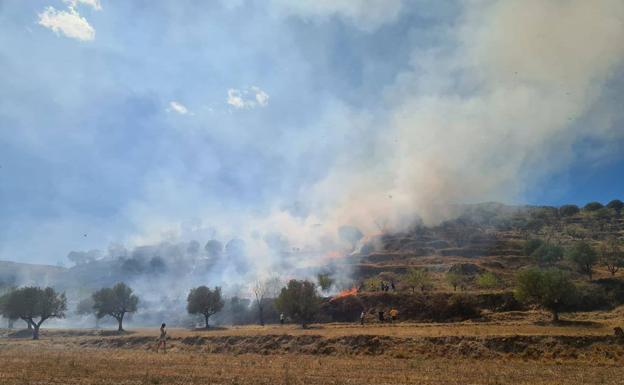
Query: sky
138, 122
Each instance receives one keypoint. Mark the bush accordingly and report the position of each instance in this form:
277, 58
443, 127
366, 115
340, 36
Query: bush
568, 210
593, 206
488, 280
548, 253
616, 205
589, 298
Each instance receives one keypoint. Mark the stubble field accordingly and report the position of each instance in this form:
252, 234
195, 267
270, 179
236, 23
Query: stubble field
511, 348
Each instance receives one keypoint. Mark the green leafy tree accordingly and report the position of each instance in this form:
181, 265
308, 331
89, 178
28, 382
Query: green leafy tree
488, 280
593, 206
612, 256
616, 205
325, 281
455, 280
583, 256
202, 300
116, 302
299, 301
551, 289
417, 278
548, 253
34, 305
568, 210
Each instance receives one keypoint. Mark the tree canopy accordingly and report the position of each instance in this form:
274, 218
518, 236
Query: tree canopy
299, 300
551, 289
115, 302
34, 305
583, 256
203, 300
417, 278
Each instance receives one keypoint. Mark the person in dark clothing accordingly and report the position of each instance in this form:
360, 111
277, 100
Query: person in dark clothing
381, 316
392, 285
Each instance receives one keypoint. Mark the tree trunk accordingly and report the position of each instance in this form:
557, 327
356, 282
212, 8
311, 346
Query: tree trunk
35, 332
29, 325
261, 315
555, 316
120, 321
207, 316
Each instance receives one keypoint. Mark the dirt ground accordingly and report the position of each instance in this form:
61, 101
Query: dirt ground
507, 348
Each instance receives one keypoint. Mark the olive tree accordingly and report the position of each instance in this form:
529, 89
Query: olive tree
551, 289
202, 300
583, 256
116, 302
611, 255
417, 278
299, 300
34, 305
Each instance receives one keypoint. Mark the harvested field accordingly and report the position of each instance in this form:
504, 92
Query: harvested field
502, 348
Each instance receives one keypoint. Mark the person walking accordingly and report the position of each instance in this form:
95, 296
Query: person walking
282, 319
162, 340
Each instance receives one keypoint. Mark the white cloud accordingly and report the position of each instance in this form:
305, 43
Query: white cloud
95, 4
69, 23
178, 107
247, 98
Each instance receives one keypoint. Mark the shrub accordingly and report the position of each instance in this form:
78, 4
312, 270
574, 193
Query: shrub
616, 205
568, 210
548, 253
593, 206
488, 280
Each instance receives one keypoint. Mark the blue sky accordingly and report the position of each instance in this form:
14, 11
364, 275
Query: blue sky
140, 121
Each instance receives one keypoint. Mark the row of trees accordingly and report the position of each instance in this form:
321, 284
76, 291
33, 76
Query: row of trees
299, 300
581, 254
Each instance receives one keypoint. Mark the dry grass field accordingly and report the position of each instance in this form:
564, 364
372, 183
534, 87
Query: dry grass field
506, 348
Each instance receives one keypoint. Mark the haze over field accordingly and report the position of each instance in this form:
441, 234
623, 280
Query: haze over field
274, 124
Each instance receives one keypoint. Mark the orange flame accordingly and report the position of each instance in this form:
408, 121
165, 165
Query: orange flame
345, 293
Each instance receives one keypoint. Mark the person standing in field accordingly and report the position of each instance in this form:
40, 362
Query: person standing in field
362, 315
281, 318
162, 340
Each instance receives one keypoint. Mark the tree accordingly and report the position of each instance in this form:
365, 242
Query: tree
548, 253
85, 308
583, 256
611, 255
325, 281
616, 205
30, 303
568, 210
263, 290
488, 280
455, 279
202, 300
593, 206
115, 302
299, 301
417, 278
551, 289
